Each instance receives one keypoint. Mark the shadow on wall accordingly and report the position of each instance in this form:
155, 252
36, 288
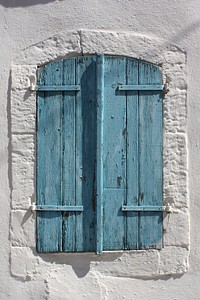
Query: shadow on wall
187, 31
24, 3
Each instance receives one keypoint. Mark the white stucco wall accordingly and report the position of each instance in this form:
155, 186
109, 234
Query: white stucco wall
35, 32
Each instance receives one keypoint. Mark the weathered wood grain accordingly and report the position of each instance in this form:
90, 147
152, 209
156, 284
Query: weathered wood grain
68, 155
99, 153
114, 153
150, 157
49, 147
132, 155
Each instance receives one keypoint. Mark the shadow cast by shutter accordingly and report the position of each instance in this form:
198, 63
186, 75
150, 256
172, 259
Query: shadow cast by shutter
24, 3
88, 92
81, 264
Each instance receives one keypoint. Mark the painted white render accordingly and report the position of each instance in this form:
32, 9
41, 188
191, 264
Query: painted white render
162, 32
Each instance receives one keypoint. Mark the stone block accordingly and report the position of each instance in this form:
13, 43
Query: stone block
175, 57
175, 112
22, 230
173, 260
21, 143
176, 75
21, 76
22, 262
23, 173
175, 174
176, 229
23, 110
50, 49
129, 264
120, 43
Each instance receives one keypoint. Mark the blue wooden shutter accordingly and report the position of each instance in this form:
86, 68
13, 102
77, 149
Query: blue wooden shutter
66, 153
132, 155
99, 155
150, 158
49, 161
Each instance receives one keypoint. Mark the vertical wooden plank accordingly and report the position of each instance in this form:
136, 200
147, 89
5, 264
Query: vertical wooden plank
86, 153
132, 155
99, 159
114, 153
69, 146
150, 157
49, 110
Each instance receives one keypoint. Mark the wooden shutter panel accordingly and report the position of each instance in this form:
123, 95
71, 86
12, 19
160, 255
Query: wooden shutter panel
132, 154
114, 153
69, 159
66, 153
49, 178
132, 163
150, 158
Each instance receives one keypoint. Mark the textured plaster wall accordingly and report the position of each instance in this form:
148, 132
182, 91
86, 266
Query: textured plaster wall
163, 32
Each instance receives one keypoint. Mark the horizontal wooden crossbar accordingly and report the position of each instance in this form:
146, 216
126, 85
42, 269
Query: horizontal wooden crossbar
141, 87
143, 208
56, 208
54, 88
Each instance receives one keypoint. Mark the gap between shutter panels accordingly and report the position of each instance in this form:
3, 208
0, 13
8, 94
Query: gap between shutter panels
126, 104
